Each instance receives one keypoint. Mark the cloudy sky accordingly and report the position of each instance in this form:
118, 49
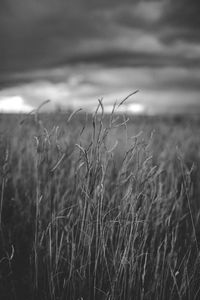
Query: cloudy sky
74, 52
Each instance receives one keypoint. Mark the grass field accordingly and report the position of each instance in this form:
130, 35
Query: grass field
98, 207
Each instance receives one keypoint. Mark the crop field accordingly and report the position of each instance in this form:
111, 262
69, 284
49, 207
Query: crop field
99, 206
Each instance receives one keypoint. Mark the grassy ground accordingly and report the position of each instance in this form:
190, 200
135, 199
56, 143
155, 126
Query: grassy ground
98, 207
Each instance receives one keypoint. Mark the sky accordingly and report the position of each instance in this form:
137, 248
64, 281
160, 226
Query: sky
75, 52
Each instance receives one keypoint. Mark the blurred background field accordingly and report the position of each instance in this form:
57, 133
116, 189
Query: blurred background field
99, 206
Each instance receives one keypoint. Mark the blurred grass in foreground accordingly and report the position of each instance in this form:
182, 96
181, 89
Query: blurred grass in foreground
98, 207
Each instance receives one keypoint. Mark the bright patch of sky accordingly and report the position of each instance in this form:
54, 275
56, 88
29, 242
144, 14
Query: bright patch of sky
14, 104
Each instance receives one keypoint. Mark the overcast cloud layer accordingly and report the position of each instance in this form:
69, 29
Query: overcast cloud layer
75, 51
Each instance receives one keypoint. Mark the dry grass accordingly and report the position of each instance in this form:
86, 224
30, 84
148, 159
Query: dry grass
93, 208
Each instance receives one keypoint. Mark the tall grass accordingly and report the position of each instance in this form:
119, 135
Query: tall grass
92, 208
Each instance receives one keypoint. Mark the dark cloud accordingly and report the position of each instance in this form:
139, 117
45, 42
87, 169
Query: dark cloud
34, 34
181, 21
111, 58
143, 14
173, 20
127, 58
184, 13
37, 34
39, 39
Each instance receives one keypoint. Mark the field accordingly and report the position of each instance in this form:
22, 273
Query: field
99, 207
